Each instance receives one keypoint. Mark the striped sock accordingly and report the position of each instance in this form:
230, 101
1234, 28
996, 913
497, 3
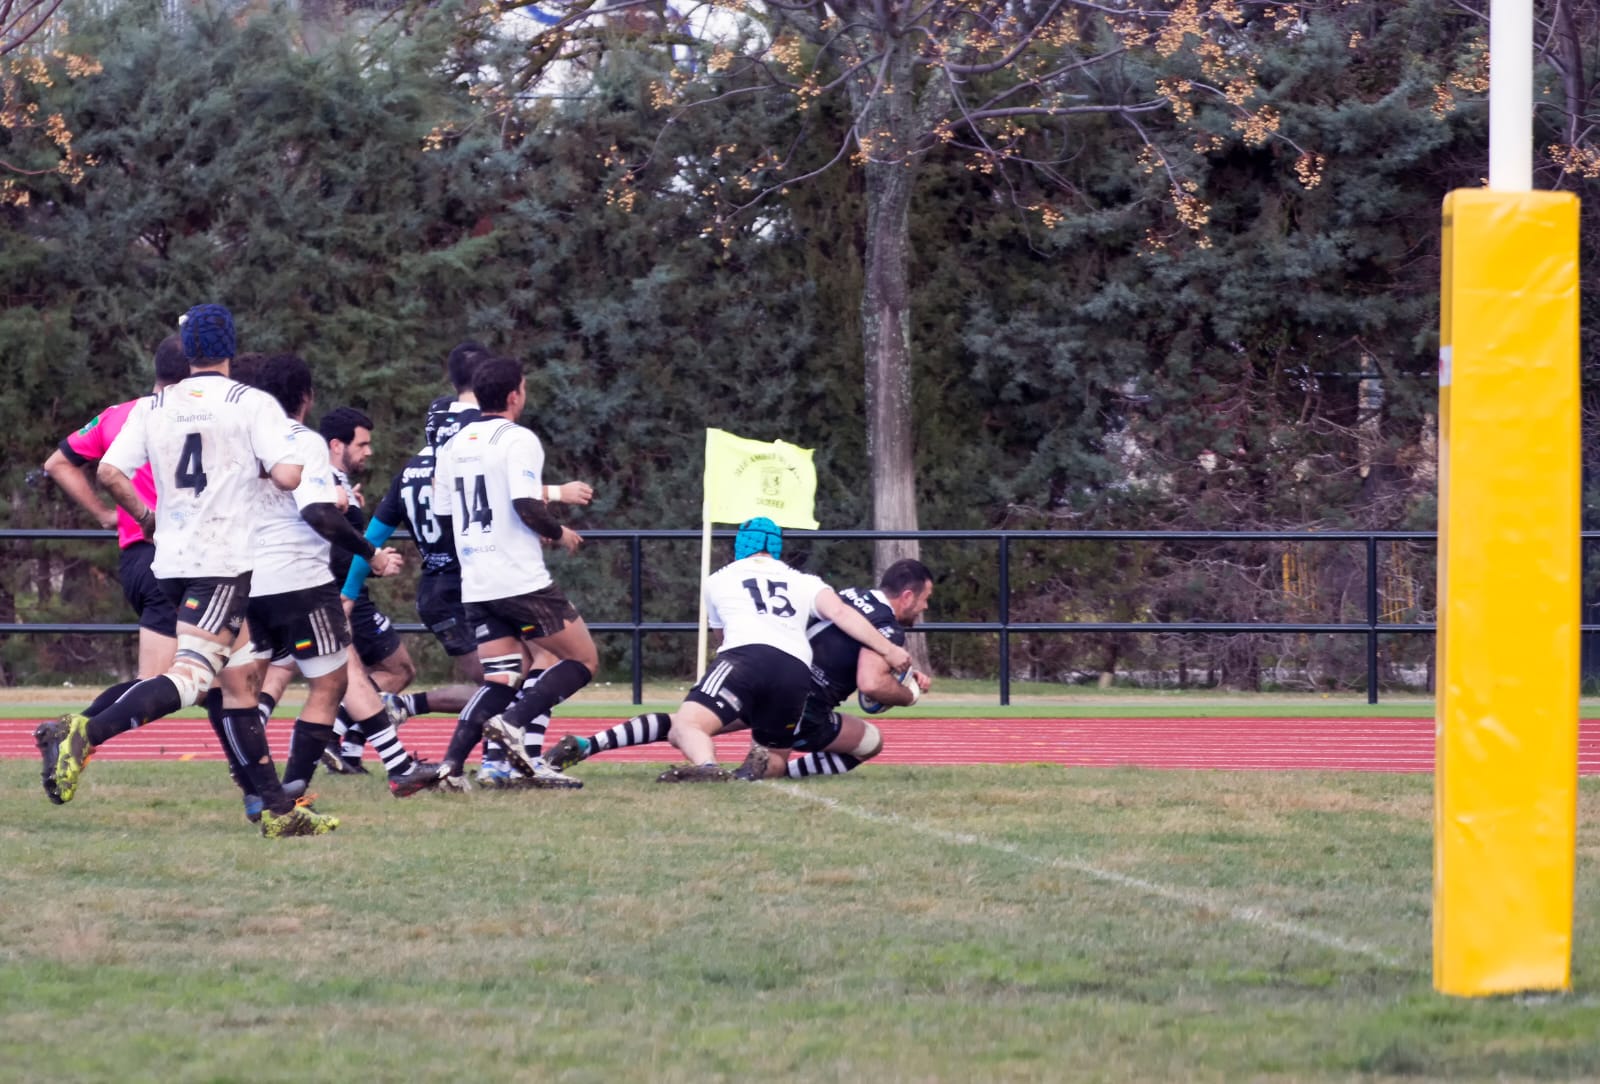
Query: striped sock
640, 730
822, 764
396, 760
533, 736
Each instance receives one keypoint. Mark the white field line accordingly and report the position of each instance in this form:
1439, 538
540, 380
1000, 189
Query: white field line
1249, 916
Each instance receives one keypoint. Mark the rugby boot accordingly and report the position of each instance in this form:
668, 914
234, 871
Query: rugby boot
568, 751
420, 776
72, 753
48, 737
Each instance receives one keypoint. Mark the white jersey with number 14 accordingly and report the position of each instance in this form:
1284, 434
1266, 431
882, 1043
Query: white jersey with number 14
761, 600
479, 472
207, 439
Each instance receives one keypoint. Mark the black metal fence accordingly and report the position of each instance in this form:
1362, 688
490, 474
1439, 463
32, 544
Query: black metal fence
1004, 628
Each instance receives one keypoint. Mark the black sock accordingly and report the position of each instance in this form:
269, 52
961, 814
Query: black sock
652, 726
306, 743
109, 697
241, 778
145, 700
551, 688
490, 700
416, 703
241, 727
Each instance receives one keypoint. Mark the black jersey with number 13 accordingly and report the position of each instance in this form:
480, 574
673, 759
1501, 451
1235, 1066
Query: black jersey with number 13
409, 504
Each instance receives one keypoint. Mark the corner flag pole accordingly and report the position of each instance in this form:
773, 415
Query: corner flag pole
1511, 95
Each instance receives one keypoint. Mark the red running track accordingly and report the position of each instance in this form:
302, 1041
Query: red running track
1375, 745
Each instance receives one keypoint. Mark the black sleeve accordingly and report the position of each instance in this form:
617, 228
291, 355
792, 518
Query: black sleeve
71, 453
330, 523
536, 514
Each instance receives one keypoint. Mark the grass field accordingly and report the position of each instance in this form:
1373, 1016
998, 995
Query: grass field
1030, 923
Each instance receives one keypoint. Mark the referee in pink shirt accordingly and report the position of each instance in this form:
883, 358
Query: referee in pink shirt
157, 617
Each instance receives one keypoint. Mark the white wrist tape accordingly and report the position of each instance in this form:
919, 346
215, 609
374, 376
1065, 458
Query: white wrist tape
909, 680
552, 493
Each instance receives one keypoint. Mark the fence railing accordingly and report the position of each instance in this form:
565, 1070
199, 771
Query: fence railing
1004, 627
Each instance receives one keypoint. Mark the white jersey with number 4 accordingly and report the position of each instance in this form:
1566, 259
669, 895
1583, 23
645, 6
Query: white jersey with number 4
480, 471
289, 554
207, 439
761, 600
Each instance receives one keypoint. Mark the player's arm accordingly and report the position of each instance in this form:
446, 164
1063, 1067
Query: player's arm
325, 518
536, 515
828, 604
65, 468
120, 486
880, 684
378, 532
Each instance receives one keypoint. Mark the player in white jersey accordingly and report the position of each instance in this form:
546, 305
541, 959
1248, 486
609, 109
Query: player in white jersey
488, 485
762, 670
209, 440
295, 614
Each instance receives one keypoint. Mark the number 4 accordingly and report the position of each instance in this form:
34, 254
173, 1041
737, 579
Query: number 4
191, 472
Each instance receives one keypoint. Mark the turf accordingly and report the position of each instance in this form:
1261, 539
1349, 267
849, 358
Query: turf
1030, 923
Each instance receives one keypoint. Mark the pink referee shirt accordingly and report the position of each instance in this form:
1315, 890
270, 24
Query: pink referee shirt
92, 441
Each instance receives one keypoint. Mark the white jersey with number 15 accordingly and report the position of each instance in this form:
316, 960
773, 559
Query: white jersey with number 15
208, 440
761, 600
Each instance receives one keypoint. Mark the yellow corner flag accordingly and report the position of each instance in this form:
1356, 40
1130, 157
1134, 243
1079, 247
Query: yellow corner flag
747, 478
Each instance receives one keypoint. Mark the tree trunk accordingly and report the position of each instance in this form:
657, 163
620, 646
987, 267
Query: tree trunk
886, 342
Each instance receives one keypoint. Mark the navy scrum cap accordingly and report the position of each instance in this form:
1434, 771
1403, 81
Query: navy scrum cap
208, 333
756, 535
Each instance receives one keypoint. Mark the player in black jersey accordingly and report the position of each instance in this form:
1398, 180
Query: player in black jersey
832, 742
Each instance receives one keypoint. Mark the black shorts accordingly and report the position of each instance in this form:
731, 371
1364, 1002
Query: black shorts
440, 607
372, 632
527, 617
212, 605
305, 624
819, 724
143, 591
765, 687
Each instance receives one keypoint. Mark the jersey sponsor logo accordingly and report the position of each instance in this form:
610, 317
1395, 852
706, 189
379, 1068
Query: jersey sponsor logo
888, 630
94, 421
531, 474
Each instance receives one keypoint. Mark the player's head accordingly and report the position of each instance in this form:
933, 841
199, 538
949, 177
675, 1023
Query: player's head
285, 377
208, 339
758, 535
908, 585
464, 358
495, 381
348, 432
172, 364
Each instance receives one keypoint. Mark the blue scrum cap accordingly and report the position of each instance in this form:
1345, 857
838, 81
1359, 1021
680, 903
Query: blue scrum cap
208, 333
757, 535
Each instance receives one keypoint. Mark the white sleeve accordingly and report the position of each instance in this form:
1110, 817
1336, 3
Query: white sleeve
130, 450
273, 439
815, 585
317, 484
524, 465
713, 616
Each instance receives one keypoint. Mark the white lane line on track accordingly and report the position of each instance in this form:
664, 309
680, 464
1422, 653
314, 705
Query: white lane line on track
1249, 916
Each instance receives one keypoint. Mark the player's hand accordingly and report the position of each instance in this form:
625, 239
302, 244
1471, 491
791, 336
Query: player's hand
349, 605
576, 492
386, 562
108, 520
355, 496
924, 682
570, 540
898, 658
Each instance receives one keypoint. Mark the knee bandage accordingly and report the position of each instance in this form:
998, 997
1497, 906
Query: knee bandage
871, 743
195, 667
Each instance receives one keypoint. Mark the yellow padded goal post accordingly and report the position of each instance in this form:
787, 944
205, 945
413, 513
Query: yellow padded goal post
1505, 790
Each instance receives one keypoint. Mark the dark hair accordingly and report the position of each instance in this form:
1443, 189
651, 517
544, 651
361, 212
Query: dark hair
341, 423
464, 358
906, 574
172, 364
494, 381
285, 377
245, 365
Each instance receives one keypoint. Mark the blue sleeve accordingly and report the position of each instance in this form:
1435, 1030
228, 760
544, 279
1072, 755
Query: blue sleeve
378, 533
